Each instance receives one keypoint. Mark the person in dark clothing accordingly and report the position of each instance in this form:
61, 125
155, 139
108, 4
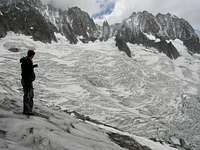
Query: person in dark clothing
28, 76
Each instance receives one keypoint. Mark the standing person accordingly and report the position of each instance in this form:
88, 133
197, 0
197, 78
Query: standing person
28, 76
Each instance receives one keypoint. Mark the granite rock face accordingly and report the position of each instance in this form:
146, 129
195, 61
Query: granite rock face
59, 19
172, 27
82, 24
115, 28
163, 27
24, 17
41, 21
121, 44
105, 31
142, 22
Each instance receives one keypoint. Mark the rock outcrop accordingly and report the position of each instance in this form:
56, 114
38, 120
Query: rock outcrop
115, 28
41, 21
121, 44
59, 19
82, 24
172, 27
23, 17
105, 31
163, 27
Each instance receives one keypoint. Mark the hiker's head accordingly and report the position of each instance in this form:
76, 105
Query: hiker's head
30, 53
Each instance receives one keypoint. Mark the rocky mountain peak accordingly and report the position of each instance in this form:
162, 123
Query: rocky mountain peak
142, 22
163, 27
82, 24
72, 23
105, 31
173, 27
23, 16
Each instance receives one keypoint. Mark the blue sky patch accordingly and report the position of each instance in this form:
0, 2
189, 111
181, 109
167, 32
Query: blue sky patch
106, 8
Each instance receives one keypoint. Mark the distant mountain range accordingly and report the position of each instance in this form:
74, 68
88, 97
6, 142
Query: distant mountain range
42, 21
164, 27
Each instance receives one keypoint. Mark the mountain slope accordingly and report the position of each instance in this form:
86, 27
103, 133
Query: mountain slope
105, 31
82, 24
44, 21
163, 27
41, 21
24, 17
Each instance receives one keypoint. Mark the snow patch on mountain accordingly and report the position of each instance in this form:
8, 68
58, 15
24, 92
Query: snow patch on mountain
152, 37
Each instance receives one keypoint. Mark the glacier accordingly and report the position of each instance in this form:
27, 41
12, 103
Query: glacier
148, 95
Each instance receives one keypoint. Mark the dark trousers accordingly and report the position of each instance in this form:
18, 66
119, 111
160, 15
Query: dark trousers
28, 97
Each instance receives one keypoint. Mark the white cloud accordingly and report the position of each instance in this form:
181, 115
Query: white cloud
91, 6
187, 9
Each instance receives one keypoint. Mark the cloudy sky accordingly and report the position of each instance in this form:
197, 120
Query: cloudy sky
117, 10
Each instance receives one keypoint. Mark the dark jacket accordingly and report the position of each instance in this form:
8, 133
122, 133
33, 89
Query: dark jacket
27, 67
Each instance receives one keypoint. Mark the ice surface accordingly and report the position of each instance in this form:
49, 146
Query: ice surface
148, 95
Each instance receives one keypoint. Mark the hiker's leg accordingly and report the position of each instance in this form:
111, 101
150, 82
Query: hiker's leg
31, 92
25, 98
